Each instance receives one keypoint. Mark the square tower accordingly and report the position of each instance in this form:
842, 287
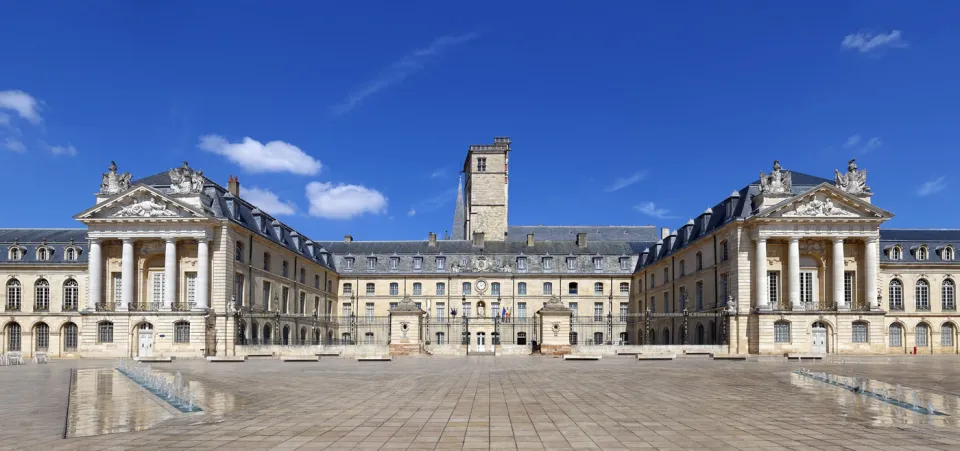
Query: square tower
486, 188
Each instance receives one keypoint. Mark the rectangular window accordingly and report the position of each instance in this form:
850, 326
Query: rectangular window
316, 305
653, 304
441, 310
724, 251
371, 289
441, 263
418, 263
467, 288
393, 305
266, 294
419, 305
848, 288
465, 306
494, 309
724, 297
781, 333
521, 263
495, 289
368, 310
481, 164
666, 275
394, 263
441, 289
946, 335
348, 288
859, 332
653, 280
158, 287
573, 309
284, 298
118, 287
806, 288
624, 308
371, 262
547, 263
700, 295
598, 311
624, 288
191, 288
522, 288
521, 309
666, 303
394, 289
597, 263
347, 309
348, 263
896, 335
773, 287
683, 298
303, 303
105, 332
238, 288
417, 289
598, 288
624, 264
571, 263
181, 332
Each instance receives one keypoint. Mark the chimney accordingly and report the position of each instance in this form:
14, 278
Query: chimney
529, 239
432, 237
478, 239
664, 232
348, 238
233, 186
582, 239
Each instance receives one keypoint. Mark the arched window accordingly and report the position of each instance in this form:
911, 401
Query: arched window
417, 288
41, 302
71, 254
467, 288
572, 288
42, 332
699, 261
861, 332
13, 337
267, 334
598, 288
181, 332
266, 261
255, 331
947, 253
14, 294
624, 287
896, 294
781, 332
16, 253
238, 252
946, 334
948, 295
896, 253
666, 336
70, 337
303, 335
43, 253
896, 335
923, 295
923, 332
105, 332
394, 289
71, 295
700, 334
922, 253
683, 270
495, 289
547, 288
522, 288
286, 335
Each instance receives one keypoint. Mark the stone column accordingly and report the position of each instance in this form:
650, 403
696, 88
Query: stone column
203, 275
793, 269
870, 274
838, 275
170, 274
761, 263
127, 274
95, 275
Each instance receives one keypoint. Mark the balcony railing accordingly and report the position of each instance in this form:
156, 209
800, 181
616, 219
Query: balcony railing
107, 306
184, 306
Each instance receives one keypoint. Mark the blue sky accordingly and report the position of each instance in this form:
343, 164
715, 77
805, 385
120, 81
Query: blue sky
367, 108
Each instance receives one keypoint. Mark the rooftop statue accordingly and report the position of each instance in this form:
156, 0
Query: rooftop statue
854, 181
113, 182
184, 180
778, 182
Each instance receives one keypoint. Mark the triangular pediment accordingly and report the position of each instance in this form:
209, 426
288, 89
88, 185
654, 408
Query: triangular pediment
141, 202
825, 201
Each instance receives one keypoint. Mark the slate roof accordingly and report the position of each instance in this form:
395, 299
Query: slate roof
244, 214
56, 239
594, 233
910, 240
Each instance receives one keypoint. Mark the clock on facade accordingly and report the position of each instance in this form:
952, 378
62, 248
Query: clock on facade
481, 285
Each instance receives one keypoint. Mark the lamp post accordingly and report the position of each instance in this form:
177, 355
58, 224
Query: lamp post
610, 318
316, 326
276, 328
353, 327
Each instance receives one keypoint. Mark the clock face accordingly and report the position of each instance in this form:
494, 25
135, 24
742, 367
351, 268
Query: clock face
481, 285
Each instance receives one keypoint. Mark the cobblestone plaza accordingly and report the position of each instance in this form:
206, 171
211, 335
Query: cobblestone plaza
484, 403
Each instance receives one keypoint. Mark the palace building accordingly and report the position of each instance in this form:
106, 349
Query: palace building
176, 265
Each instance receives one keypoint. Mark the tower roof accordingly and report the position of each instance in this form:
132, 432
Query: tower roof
459, 216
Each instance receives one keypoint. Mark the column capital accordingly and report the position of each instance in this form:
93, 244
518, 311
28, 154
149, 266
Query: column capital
126, 240
761, 239
838, 240
170, 239
794, 239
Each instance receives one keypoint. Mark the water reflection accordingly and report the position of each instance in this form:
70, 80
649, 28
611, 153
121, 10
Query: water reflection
880, 412
104, 401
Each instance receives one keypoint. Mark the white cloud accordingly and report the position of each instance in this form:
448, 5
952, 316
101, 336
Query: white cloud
254, 156
933, 186
344, 201
4, 119
267, 201
400, 70
24, 104
650, 209
869, 42
438, 174
412, 212
624, 182
68, 151
852, 142
15, 145
873, 144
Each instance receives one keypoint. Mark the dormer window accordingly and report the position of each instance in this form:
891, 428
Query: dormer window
441, 263
597, 263
571, 263
348, 263
417, 263
15, 253
947, 253
547, 263
43, 254
394, 263
371, 263
896, 253
71, 254
922, 253
624, 263
521, 263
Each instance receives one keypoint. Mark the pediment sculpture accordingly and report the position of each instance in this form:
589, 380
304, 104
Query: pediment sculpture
777, 182
114, 182
854, 181
818, 208
146, 208
185, 180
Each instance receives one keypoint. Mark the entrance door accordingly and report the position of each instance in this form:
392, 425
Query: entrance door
146, 340
819, 340
481, 342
